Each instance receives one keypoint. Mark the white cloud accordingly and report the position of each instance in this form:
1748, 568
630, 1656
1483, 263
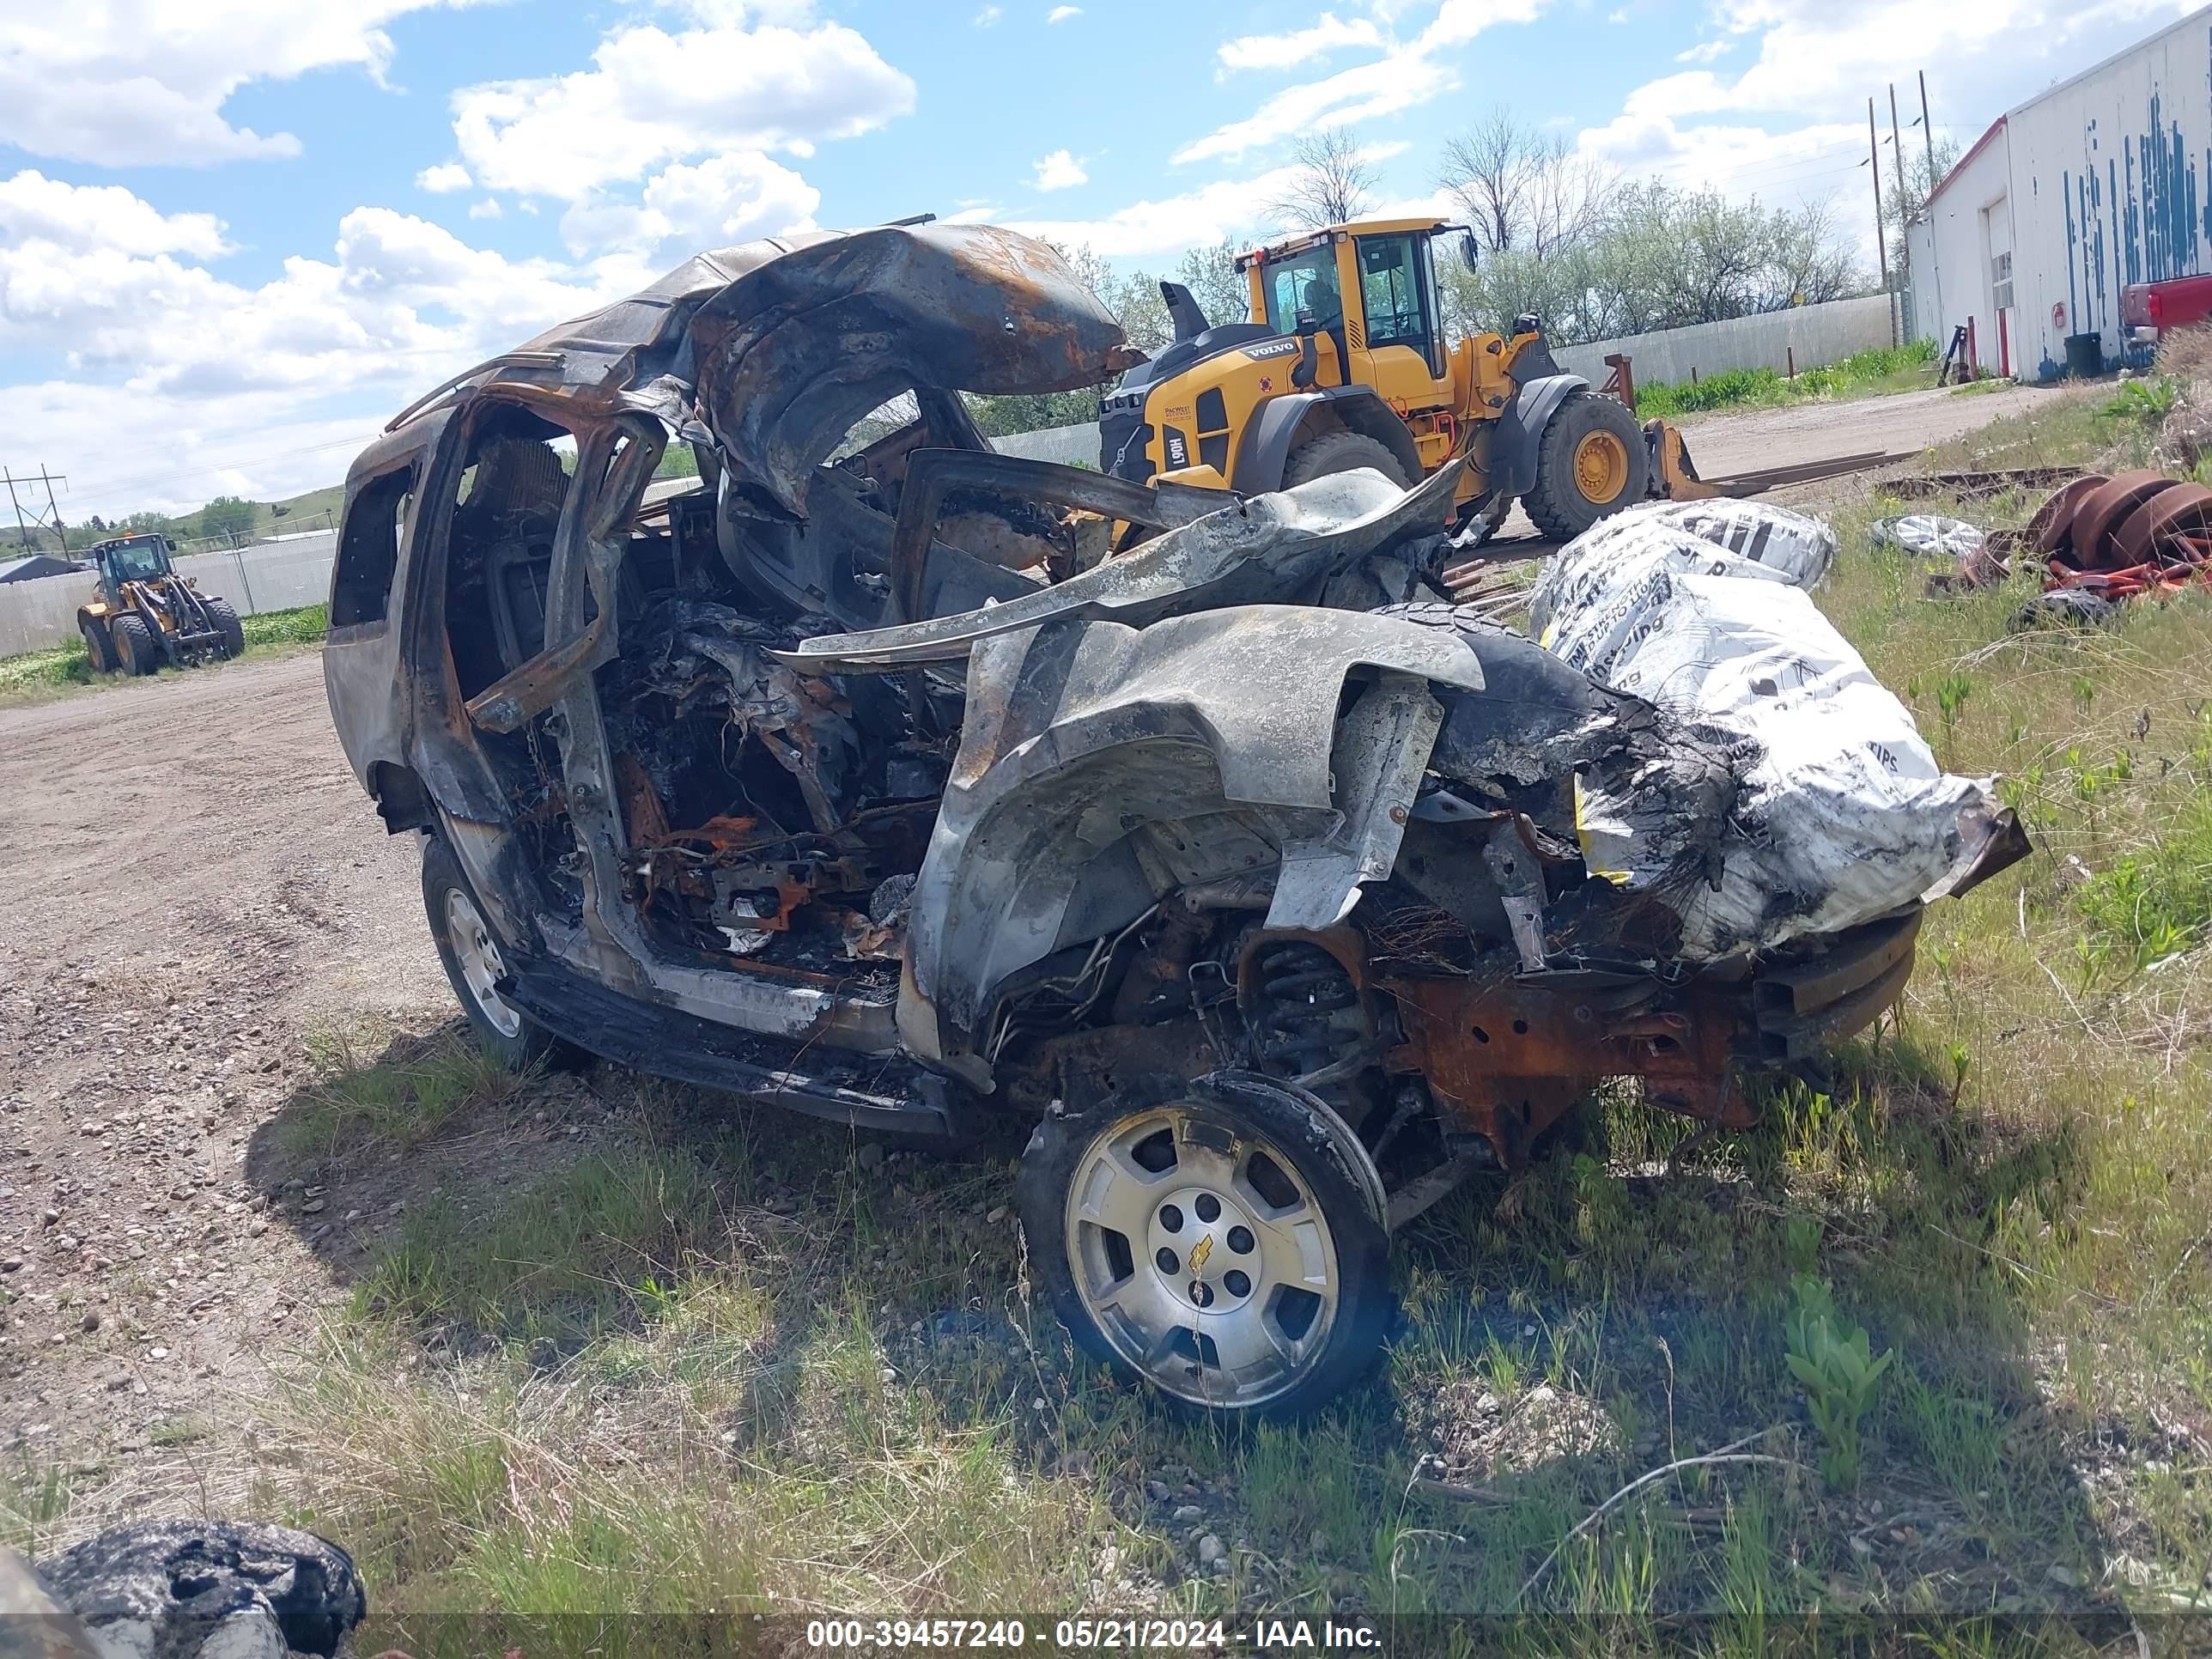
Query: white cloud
1060, 171
163, 362
1277, 52
987, 17
1063, 14
1819, 60
1706, 52
143, 83
736, 198
1617, 15
444, 177
487, 209
86, 218
651, 97
1408, 74
1230, 208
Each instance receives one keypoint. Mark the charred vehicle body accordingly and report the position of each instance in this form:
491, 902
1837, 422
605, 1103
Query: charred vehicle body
859, 776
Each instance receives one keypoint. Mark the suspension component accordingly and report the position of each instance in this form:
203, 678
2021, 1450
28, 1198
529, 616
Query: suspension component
1308, 1020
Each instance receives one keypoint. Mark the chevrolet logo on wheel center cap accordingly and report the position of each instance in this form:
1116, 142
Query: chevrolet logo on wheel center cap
1198, 1256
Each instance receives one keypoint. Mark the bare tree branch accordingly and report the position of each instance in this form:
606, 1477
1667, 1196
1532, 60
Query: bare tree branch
1525, 190
1334, 181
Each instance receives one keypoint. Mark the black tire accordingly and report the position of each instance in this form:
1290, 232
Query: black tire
508, 1034
1240, 1110
135, 646
99, 648
1557, 504
228, 625
1332, 453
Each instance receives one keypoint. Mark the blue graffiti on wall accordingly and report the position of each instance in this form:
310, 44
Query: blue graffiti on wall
2146, 199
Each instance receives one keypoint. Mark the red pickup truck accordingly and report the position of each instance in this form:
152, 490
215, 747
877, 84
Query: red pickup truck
2150, 309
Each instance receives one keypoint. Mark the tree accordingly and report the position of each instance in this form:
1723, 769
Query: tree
1331, 181
227, 518
1662, 258
1922, 175
1522, 189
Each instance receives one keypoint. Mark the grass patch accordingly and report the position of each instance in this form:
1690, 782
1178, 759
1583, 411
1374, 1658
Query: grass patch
1875, 373
709, 1362
31, 675
411, 1092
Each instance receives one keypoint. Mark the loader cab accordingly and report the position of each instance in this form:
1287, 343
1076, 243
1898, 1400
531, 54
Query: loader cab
1368, 293
132, 559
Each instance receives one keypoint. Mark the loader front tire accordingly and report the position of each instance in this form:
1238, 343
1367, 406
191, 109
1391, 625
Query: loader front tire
99, 649
227, 625
1591, 461
136, 645
1331, 452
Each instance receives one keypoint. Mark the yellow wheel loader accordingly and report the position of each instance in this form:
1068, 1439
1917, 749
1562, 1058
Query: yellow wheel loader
143, 615
1344, 364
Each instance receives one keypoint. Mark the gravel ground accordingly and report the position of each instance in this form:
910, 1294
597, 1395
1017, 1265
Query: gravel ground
191, 881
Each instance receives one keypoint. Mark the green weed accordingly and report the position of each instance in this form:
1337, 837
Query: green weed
1840, 1372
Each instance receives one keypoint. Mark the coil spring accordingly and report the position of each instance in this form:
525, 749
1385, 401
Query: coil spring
1306, 1013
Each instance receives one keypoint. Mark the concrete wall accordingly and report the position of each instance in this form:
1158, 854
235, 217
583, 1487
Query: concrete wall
2112, 184
1813, 334
266, 576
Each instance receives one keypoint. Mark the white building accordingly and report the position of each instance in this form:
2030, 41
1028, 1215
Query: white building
2102, 181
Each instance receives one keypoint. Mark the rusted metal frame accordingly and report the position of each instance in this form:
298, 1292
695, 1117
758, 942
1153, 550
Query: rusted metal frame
520, 697
1508, 1059
933, 474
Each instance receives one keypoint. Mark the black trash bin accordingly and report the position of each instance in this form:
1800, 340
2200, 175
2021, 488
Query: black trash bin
2085, 355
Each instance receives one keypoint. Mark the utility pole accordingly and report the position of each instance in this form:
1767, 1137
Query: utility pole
1927, 131
1934, 258
1904, 196
22, 535
1881, 230
38, 520
61, 529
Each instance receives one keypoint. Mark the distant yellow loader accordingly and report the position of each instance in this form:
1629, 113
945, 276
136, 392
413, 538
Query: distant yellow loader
143, 615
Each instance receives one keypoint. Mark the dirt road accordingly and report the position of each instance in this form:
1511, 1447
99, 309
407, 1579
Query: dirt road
190, 882
1728, 446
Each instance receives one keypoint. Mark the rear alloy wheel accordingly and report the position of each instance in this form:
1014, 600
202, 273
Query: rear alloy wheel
474, 967
135, 645
1591, 461
1222, 1240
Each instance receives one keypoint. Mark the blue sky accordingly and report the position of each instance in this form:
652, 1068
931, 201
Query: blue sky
234, 235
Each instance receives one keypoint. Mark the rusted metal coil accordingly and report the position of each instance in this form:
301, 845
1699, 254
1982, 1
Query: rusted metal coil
2123, 534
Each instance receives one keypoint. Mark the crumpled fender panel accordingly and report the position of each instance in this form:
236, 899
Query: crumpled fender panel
1078, 734
788, 356
1270, 548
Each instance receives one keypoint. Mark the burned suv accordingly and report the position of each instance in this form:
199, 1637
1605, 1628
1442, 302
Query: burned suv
873, 775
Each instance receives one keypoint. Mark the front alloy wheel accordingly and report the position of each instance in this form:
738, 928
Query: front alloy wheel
1222, 1240
474, 967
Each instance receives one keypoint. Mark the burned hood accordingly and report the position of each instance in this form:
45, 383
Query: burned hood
790, 355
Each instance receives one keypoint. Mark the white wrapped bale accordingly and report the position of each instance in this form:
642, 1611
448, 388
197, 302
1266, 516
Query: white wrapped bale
1843, 815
